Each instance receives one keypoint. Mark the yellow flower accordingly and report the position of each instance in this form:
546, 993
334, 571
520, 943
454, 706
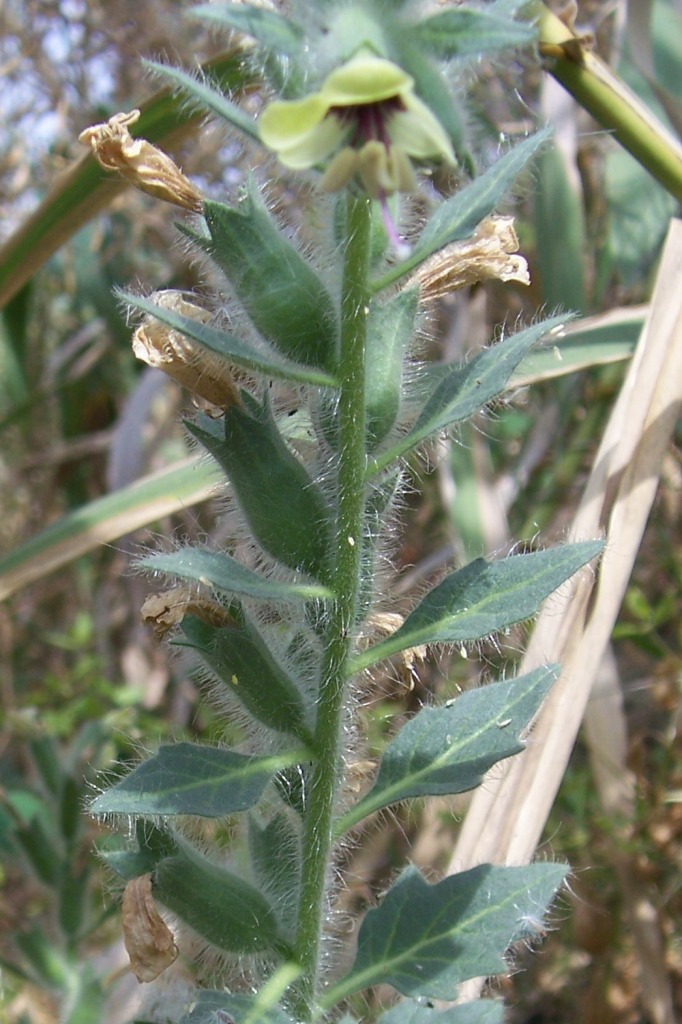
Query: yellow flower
367, 118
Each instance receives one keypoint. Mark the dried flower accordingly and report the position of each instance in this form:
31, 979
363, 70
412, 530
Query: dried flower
139, 162
148, 939
490, 253
166, 610
206, 374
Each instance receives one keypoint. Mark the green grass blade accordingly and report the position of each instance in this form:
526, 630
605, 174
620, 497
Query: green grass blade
85, 189
106, 519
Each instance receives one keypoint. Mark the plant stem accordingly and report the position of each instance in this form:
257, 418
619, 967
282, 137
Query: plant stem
339, 634
610, 101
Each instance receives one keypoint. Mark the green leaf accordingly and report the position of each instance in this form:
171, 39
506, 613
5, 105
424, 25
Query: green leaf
250, 672
467, 388
559, 234
287, 512
390, 329
73, 895
281, 293
239, 1009
219, 570
464, 32
483, 598
275, 854
154, 844
586, 344
267, 27
87, 1000
380, 498
449, 749
45, 959
187, 778
229, 346
458, 217
425, 940
41, 851
207, 96
224, 909
481, 1011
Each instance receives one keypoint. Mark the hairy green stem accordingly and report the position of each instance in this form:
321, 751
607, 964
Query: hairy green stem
339, 634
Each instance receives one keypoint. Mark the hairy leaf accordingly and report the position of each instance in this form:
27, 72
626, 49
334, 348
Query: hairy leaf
286, 510
218, 569
240, 1009
281, 293
463, 32
206, 93
426, 939
188, 778
224, 344
482, 598
481, 1011
448, 749
466, 388
223, 908
250, 672
269, 28
390, 328
458, 217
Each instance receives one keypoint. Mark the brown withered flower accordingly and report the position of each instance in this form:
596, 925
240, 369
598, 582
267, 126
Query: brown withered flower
490, 253
149, 942
208, 376
140, 163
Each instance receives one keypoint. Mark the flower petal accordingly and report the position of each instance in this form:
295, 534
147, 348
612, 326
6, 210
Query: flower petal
320, 143
418, 132
285, 123
365, 79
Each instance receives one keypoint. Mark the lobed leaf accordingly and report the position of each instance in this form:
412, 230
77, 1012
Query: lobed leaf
449, 749
483, 598
188, 778
425, 940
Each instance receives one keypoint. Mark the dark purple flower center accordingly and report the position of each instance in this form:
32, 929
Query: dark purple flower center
368, 121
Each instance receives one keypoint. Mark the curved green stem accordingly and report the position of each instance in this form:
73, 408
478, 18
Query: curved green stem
609, 100
325, 772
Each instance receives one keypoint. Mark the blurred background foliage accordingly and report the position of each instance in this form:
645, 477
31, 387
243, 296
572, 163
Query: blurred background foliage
84, 685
